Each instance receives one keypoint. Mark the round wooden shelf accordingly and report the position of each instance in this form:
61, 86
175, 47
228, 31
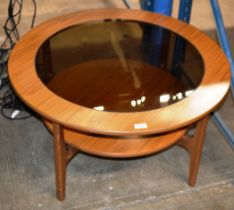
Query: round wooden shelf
119, 147
68, 82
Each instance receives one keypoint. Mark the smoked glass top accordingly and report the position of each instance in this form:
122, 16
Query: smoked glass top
120, 66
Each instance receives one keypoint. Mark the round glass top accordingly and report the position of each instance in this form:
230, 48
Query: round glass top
119, 66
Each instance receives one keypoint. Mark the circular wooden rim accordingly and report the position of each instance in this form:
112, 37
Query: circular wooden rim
35, 94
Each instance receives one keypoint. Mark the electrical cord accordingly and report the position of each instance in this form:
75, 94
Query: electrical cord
34, 13
10, 106
127, 4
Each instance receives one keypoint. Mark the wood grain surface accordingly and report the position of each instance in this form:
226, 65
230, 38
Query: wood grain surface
34, 93
118, 147
105, 83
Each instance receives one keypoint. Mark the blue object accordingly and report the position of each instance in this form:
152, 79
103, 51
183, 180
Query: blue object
226, 47
156, 35
180, 45
185, 10
223, 39
227, 133
160, 6
165, 7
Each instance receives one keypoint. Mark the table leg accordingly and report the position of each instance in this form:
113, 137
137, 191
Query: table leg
60, 166
63, 154
194, 145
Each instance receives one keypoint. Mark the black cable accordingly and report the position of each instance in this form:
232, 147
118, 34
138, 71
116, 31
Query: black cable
11, 17
35, 13
127, 4
9, 102
10, 26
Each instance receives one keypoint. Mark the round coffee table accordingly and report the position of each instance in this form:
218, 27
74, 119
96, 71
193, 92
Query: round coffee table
119, 83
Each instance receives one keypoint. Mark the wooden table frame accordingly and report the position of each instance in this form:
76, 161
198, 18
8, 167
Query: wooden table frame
72, 125
65, 150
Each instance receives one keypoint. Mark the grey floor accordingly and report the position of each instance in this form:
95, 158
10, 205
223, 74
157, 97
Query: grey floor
155, 182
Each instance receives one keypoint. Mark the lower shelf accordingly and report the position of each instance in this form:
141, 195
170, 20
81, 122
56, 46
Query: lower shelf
119, 147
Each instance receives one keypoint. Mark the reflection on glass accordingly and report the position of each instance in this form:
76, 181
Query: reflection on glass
121, 66
164, 98
100, 108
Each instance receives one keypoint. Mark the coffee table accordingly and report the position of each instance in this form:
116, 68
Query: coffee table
120, 83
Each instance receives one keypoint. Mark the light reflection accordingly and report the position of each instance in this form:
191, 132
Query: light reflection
138, 102
99, 108
143, 98
133, 103
164, 98
188, 92
179, 95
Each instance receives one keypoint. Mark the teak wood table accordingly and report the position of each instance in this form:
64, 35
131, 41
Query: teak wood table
110, 83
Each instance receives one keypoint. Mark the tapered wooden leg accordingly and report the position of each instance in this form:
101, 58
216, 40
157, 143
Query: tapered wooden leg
60, 165
194, 145
63, 154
